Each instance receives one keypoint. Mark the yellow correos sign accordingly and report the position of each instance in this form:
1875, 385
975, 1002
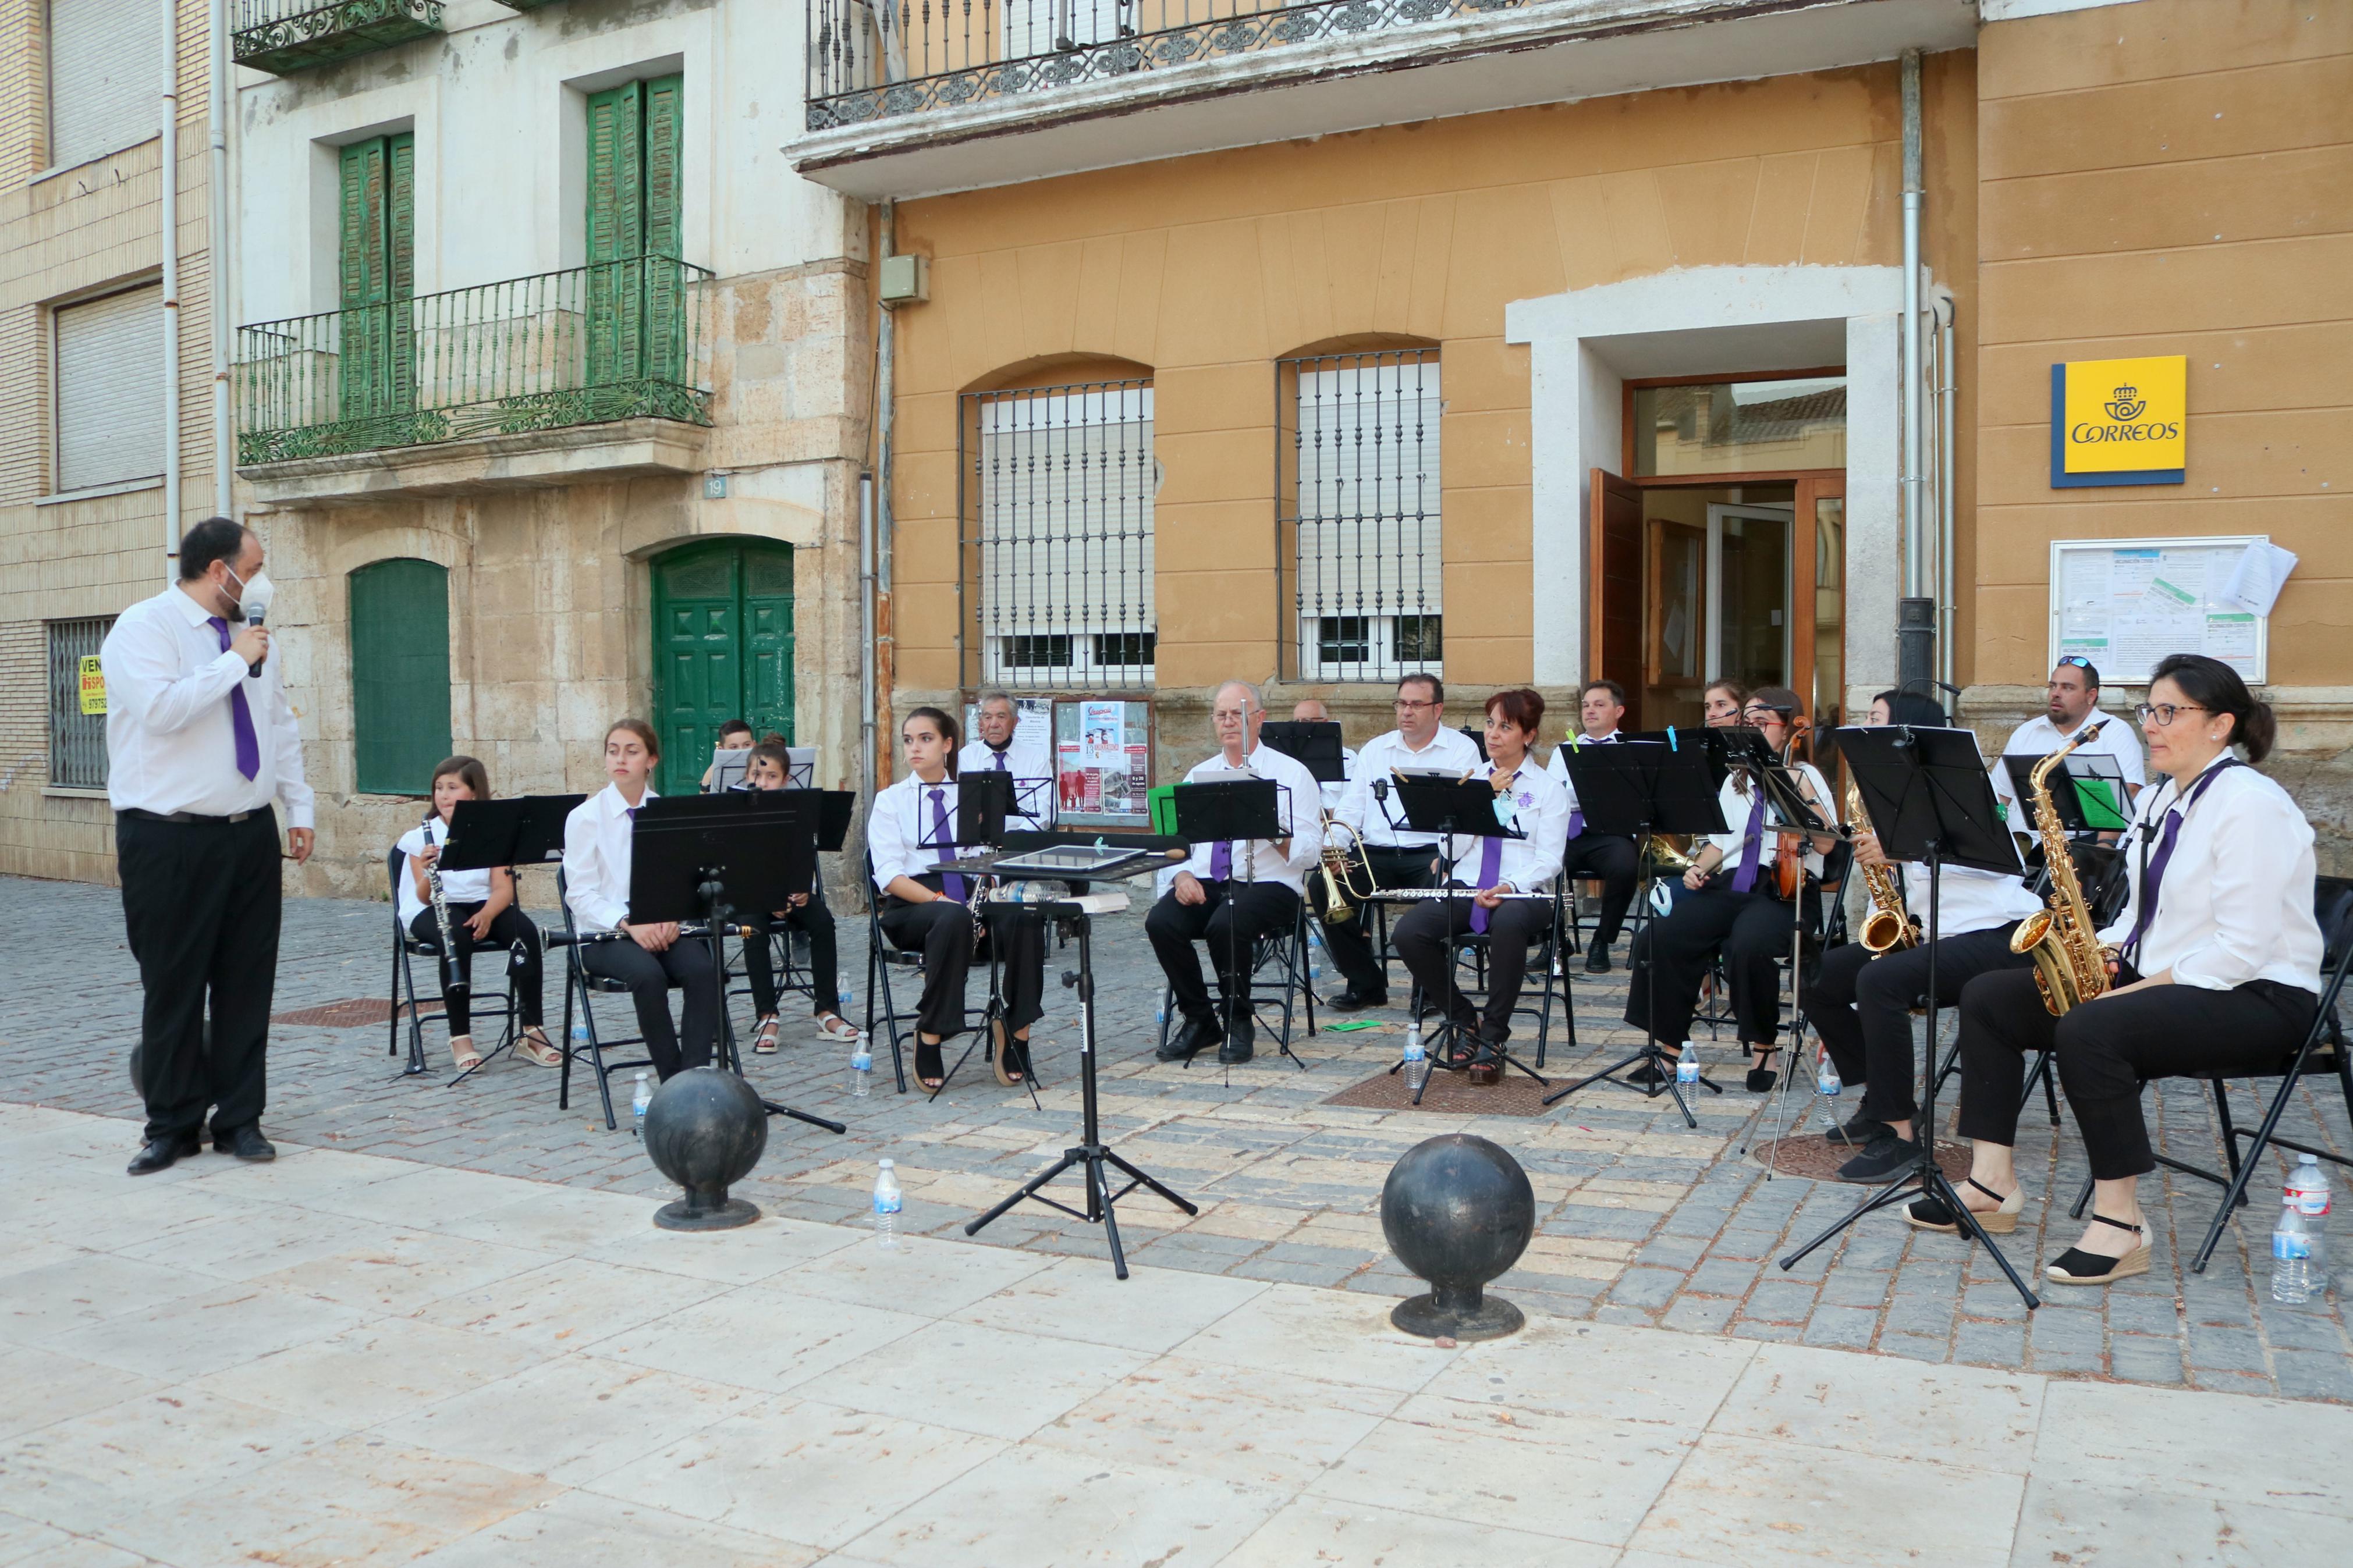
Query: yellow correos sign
2120, 421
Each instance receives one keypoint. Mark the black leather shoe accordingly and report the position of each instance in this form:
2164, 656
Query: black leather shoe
1597, 958
1860, 1131
1237, 1049
1193, 1034
162, 1154
1348, 1001
1762, 1080
1886, 1158
246, 1144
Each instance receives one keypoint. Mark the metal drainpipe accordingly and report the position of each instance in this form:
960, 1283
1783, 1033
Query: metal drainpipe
168, 161
884, 642
866, 635
1916, 618
1948, 461
220, 203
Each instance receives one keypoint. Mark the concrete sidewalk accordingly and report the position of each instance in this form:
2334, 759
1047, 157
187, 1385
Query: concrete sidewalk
341, 1358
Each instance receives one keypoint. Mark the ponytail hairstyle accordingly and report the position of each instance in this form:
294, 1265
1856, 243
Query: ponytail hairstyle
1791, 708
468, 772
1912, 708
947, 727
2217, 687
641, 730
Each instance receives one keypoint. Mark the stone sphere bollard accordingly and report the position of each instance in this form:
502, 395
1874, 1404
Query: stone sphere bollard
705, 1128
1458, 1211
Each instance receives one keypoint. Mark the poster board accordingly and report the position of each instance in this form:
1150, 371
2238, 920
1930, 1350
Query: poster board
1103, 764
2125, 604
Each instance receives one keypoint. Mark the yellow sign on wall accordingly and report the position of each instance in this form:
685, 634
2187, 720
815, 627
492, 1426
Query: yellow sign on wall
2120, 421
93, 686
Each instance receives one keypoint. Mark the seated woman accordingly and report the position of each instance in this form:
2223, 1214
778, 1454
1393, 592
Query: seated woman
1730, 904
2214, 967
481, 905
910, 831
1527, 797
647, 956
810, 917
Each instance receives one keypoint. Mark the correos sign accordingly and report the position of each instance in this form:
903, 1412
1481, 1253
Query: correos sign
2119, 422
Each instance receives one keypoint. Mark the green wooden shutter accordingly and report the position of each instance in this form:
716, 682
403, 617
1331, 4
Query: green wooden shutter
400, 268
376, 275
665, 280
616, 234
400, 675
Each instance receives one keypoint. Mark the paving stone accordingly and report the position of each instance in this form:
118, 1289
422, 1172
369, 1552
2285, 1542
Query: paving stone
1648, 1287
2144, 1358
1700, 1314
1846, 1328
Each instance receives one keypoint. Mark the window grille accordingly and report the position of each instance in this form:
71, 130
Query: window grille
77, 739
1061, 508
1358, 505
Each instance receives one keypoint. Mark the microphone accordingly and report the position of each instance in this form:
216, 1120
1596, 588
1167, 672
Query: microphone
1381, 790
253, 618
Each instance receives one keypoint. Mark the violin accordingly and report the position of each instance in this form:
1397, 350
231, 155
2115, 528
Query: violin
1790, 849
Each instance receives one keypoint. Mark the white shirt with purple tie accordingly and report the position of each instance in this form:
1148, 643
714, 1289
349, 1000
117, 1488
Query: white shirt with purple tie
1033, 798
598, 845
1538, 807
1743, 811
1297, 800
903, 833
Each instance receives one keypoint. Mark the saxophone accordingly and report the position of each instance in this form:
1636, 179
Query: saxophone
2070, 966
1887, 927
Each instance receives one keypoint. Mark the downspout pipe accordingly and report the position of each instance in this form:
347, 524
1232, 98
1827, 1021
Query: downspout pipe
1915, 618
866, 635
219, 210
1947, 461
167, 160
885, 414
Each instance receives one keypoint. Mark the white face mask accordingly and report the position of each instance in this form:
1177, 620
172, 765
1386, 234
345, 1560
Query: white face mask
253, 603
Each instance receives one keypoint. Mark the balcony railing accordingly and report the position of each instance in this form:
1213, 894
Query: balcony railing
874, 59
284, 35
616, 340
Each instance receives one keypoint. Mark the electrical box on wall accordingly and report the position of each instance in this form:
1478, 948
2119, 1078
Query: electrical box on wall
906, 280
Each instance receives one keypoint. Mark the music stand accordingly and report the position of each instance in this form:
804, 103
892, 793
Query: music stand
1931, 800
2082, 808
696, 857
1240, 811
1314, 743
727, 769
486, 834
1452, 808
1644, 788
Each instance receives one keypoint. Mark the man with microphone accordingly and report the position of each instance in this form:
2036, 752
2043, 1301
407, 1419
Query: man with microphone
200, 741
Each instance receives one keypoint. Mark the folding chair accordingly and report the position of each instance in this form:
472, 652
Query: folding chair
1547, 967
1286, 954
405, 947
579, 980
881, 958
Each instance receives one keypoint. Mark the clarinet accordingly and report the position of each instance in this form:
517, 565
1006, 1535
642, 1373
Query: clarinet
455, 980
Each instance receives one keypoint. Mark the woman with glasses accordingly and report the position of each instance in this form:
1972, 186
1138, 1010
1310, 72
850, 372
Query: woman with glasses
2214, 967
1730, 904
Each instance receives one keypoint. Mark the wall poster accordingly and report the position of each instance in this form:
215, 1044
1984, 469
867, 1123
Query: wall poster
2125, 604
1103, 764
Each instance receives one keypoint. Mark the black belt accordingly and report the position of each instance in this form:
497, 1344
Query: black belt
189, 816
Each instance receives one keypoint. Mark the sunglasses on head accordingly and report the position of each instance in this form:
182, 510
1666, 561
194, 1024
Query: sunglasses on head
2077, 659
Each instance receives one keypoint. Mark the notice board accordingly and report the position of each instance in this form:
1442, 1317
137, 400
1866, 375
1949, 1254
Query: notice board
1103, 764
2125, 604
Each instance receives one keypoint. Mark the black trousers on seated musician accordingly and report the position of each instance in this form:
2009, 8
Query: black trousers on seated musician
1612, 858
1514, 926
511, 927
2107, 1047
1227, 923
201, 904
1861, 1007
812, 920
1752, 929
1350, 941
685, 963
941, 930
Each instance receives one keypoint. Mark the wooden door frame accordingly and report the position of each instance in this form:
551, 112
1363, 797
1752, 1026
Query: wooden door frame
1803, 542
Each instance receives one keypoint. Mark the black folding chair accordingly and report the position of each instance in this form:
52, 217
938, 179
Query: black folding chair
579, 980
881, 958
1285, 952
1546, 966
405, 947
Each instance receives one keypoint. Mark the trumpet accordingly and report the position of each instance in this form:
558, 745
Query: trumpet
1338, 887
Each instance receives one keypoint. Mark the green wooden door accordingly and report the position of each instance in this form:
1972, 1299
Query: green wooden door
376, 276
723, 648
400, 675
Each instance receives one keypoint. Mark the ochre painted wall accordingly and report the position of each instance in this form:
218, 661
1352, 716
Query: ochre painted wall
1207, 269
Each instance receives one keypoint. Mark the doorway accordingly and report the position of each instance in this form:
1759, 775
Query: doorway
723, 648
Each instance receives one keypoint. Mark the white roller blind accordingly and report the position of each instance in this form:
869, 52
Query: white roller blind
1066, 512
1368, 489
106, 77
109, 389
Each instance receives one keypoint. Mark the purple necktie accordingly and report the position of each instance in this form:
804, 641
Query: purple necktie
1001, 762
2156, 878
951, 883
240, 717
1752, 844
1491, 864
1221, 860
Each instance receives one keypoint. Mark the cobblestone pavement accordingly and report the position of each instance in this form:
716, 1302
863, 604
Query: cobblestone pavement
1640, 1221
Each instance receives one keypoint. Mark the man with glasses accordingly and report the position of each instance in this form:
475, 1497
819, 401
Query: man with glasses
2073, 702
1612, 856
1399, 857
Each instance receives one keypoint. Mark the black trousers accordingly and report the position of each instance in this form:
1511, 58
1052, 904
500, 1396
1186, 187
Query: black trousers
1611, 857
1514, 926
511, 927
1861, 1006
1672, 956
201, 903
685, 963
1228, 924
1350, 941
2107, 1047
941, 930
812, 920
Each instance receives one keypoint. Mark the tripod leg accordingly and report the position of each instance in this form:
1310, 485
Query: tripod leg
775, 1109
1100, 1180
1151, 1184
1028, 1189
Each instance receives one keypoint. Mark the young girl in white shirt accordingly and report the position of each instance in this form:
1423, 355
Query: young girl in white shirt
482, 908
768, 769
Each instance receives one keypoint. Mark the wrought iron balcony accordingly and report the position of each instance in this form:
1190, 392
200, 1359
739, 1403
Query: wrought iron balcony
286, 35
873, 59
614, 339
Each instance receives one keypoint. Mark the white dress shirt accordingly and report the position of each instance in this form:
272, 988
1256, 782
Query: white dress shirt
1967, 899
596, 841
2235, 903
457, 886
1029, 793
1450, 752
2039, 737
1537, 806
1736, 809
900, 836
1558, 763
170, 743
1296, 801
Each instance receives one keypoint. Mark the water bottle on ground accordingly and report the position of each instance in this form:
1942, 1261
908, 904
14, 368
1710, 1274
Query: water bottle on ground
861, 1067
580, 1037
1826, 1082
1687, 1066
887, 1203
2296, 1264
2308, 1187
642, 1097
1417, 1061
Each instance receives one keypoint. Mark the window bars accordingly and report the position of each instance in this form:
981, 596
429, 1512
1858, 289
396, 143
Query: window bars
77, 739
1356, 497
1057, 502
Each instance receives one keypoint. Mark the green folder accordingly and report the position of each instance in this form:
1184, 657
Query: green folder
2097, 798
1161, 799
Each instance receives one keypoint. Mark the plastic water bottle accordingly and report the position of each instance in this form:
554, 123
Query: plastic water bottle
1826, 1082
580, 1038
861, 1067
2308, 1187
845, 999
887, 1203
642, 1097
1687, 1066
1417, 1061
1315, 955
2296, 1262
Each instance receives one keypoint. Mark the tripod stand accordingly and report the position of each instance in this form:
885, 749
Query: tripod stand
1929, 795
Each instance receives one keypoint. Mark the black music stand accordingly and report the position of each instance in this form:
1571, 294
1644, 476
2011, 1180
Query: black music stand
485, 834
1314, 743
1932, 800
2076, 772
1241, 812
697, 857
1648, 787
1455, 808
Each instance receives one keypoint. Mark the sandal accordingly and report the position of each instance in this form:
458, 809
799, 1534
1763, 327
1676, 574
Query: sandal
1006, 1056
2077, 1266
763, 1041
462, 1054
1933, 1214
835, 1027
536, 1048
930, 1074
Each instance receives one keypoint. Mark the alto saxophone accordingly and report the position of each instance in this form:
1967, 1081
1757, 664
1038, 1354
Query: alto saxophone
2071, 967
1888, 927
457, 980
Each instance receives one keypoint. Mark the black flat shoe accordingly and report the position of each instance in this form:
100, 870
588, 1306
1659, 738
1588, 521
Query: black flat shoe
1348, 1001
162, 1154
1860, 1133
1237, 1049
1193, 1034
1762, 1080
1882, 1160
1597, 958
2077, 1266
247, 1143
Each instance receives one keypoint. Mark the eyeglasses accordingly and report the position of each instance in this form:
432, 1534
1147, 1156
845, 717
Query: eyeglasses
1407, 705
2163, 713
